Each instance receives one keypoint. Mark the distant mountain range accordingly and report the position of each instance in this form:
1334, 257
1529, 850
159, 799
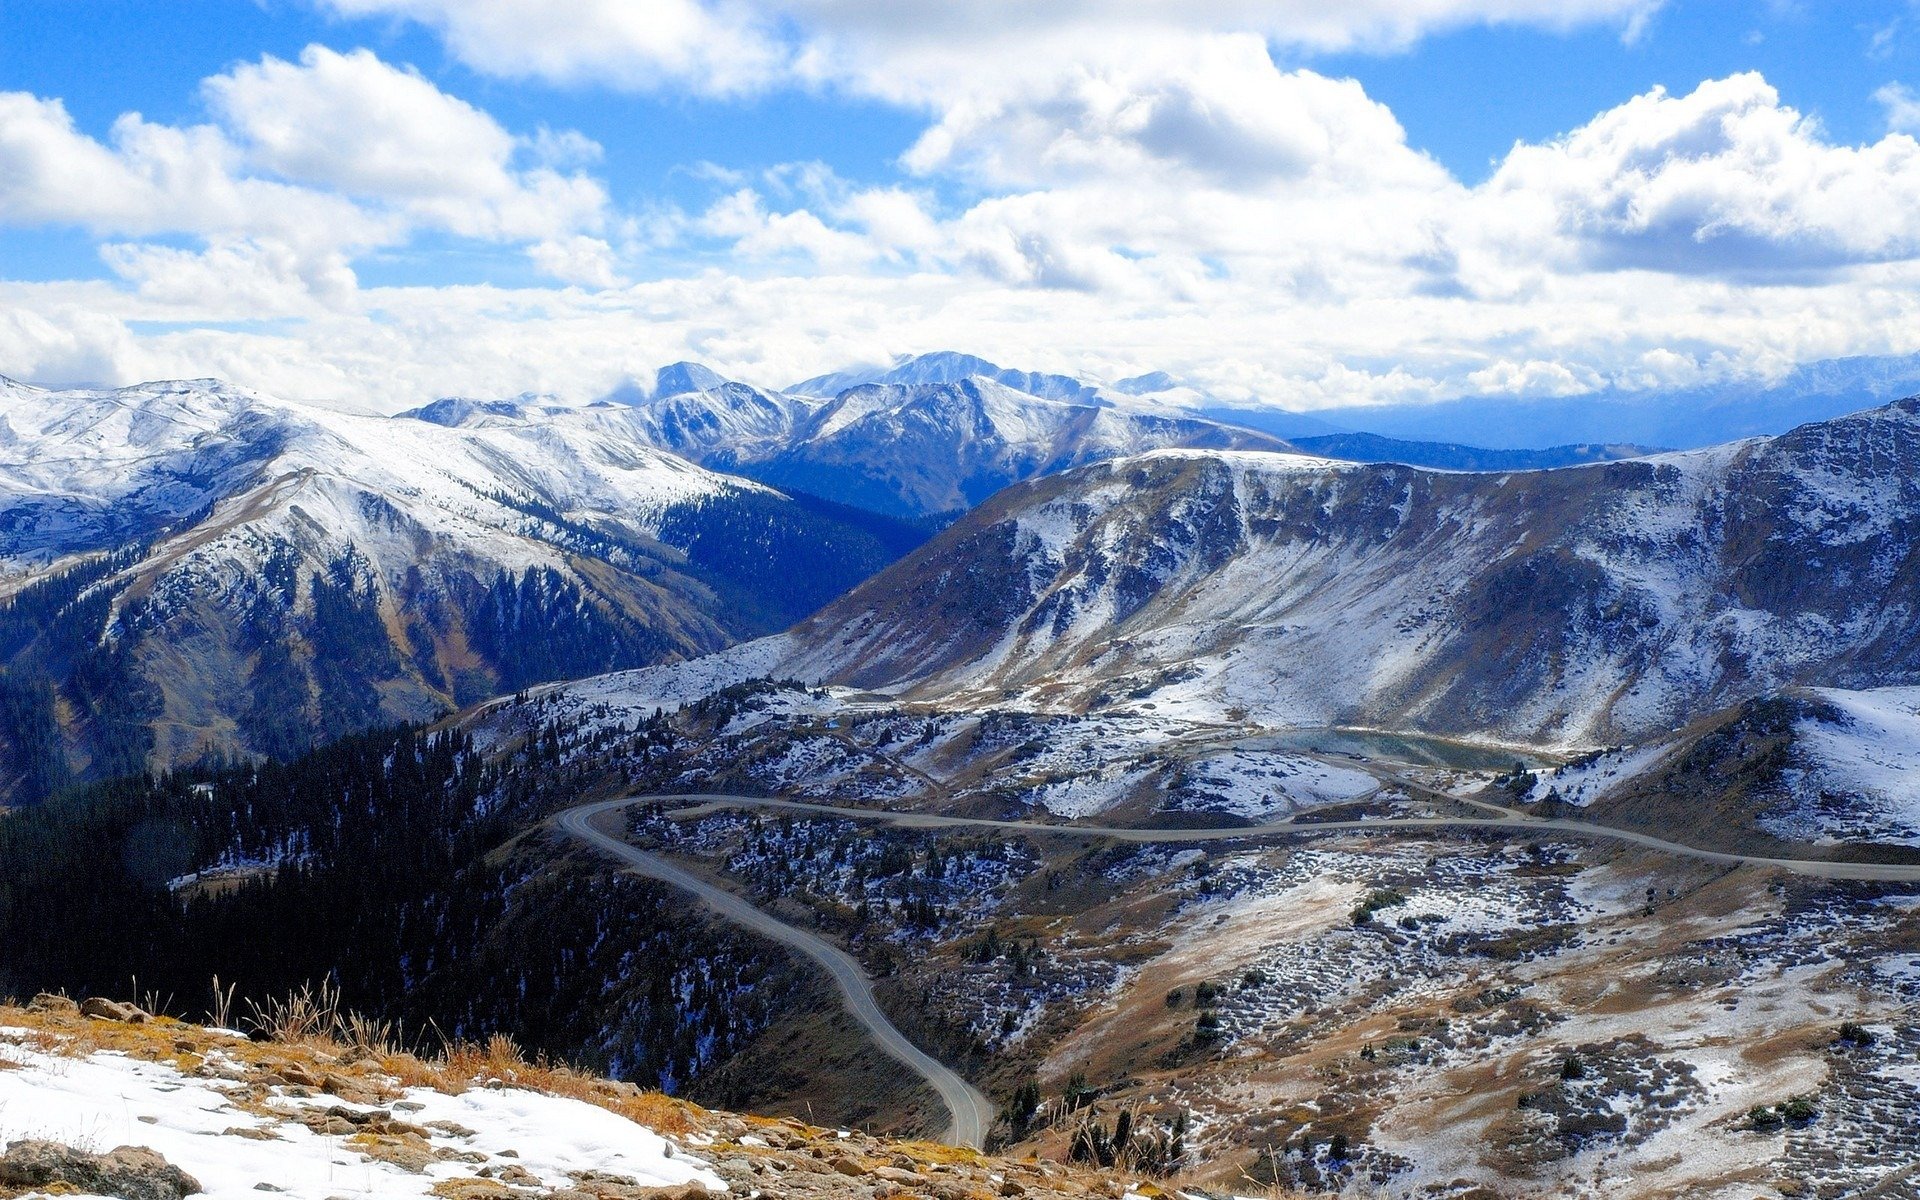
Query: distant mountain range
193, 569
1450, 456
189, 568
1686, 418
927, 439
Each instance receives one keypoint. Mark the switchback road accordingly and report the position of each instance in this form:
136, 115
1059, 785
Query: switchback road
971, 1112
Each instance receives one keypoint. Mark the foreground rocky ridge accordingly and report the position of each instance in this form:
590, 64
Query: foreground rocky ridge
192, 1109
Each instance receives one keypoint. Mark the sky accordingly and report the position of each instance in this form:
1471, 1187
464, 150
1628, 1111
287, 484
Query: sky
1282, 202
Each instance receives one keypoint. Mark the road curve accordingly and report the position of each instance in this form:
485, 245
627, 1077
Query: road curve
1816, 868
971, 1111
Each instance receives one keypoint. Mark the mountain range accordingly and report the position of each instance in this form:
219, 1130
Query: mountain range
925, 440
194, 569
1571, 608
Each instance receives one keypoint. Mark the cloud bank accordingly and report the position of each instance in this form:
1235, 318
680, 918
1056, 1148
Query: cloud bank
1108, 188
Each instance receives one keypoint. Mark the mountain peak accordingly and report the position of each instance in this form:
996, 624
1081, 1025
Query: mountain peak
674, 379
1148, 384
677, 379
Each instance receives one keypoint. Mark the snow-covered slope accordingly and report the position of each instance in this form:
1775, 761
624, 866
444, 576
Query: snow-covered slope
236, 1139
931, 437
928, 449
1811, 765
213, 569
947, 366
1572, 607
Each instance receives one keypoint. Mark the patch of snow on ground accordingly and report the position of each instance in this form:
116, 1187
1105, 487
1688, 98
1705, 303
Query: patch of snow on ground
1587, 782
1093, 792
1870, 761
1256, 785
107, 1100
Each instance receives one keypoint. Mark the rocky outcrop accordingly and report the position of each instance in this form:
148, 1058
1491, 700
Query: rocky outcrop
130, 1172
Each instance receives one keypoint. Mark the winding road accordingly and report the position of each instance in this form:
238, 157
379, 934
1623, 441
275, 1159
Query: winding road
701, 802
972, 1112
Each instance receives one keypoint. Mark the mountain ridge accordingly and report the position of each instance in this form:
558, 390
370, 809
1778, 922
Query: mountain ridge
1576, 607
198, 569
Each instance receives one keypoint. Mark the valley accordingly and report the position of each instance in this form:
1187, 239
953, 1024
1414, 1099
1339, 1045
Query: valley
821, 600
1255, 822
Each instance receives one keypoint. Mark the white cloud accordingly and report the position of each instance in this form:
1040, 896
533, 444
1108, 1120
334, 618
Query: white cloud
1726, 180
1902, 105
310, 165
235, 278
640, 45
578, 259
912, 49
354, 124
150, 179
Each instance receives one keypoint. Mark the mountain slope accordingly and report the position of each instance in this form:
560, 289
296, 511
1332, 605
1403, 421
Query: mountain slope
1817, 765
929, 439
1587, 605
193, 568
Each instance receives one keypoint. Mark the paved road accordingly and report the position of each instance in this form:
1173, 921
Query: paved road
1818, 868
972, 1112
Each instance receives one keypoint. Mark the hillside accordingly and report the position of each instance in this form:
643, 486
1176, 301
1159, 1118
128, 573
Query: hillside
1820, 766
194, 569
317, 1104
1583, 606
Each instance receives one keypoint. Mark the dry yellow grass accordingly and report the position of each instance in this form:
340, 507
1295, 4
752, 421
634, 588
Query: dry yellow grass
337, 1048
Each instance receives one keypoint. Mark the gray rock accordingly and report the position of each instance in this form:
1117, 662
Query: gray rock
47, 1002
130, 1172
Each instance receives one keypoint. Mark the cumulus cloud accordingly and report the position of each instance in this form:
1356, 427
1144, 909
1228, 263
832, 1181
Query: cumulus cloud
147, 179
577, 259
308, 165
717, 48
1902, 107
1724, 180
911, 49
354, 124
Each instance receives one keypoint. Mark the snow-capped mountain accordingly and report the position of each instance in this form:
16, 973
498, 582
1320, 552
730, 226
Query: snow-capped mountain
191, 567
948, 366
930, 437
1589, 605
690, 410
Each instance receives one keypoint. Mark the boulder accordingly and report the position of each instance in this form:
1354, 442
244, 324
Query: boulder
47, 1002
112, 1010
130, 1172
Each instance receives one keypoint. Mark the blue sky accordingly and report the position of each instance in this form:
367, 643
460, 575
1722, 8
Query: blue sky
379, 201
